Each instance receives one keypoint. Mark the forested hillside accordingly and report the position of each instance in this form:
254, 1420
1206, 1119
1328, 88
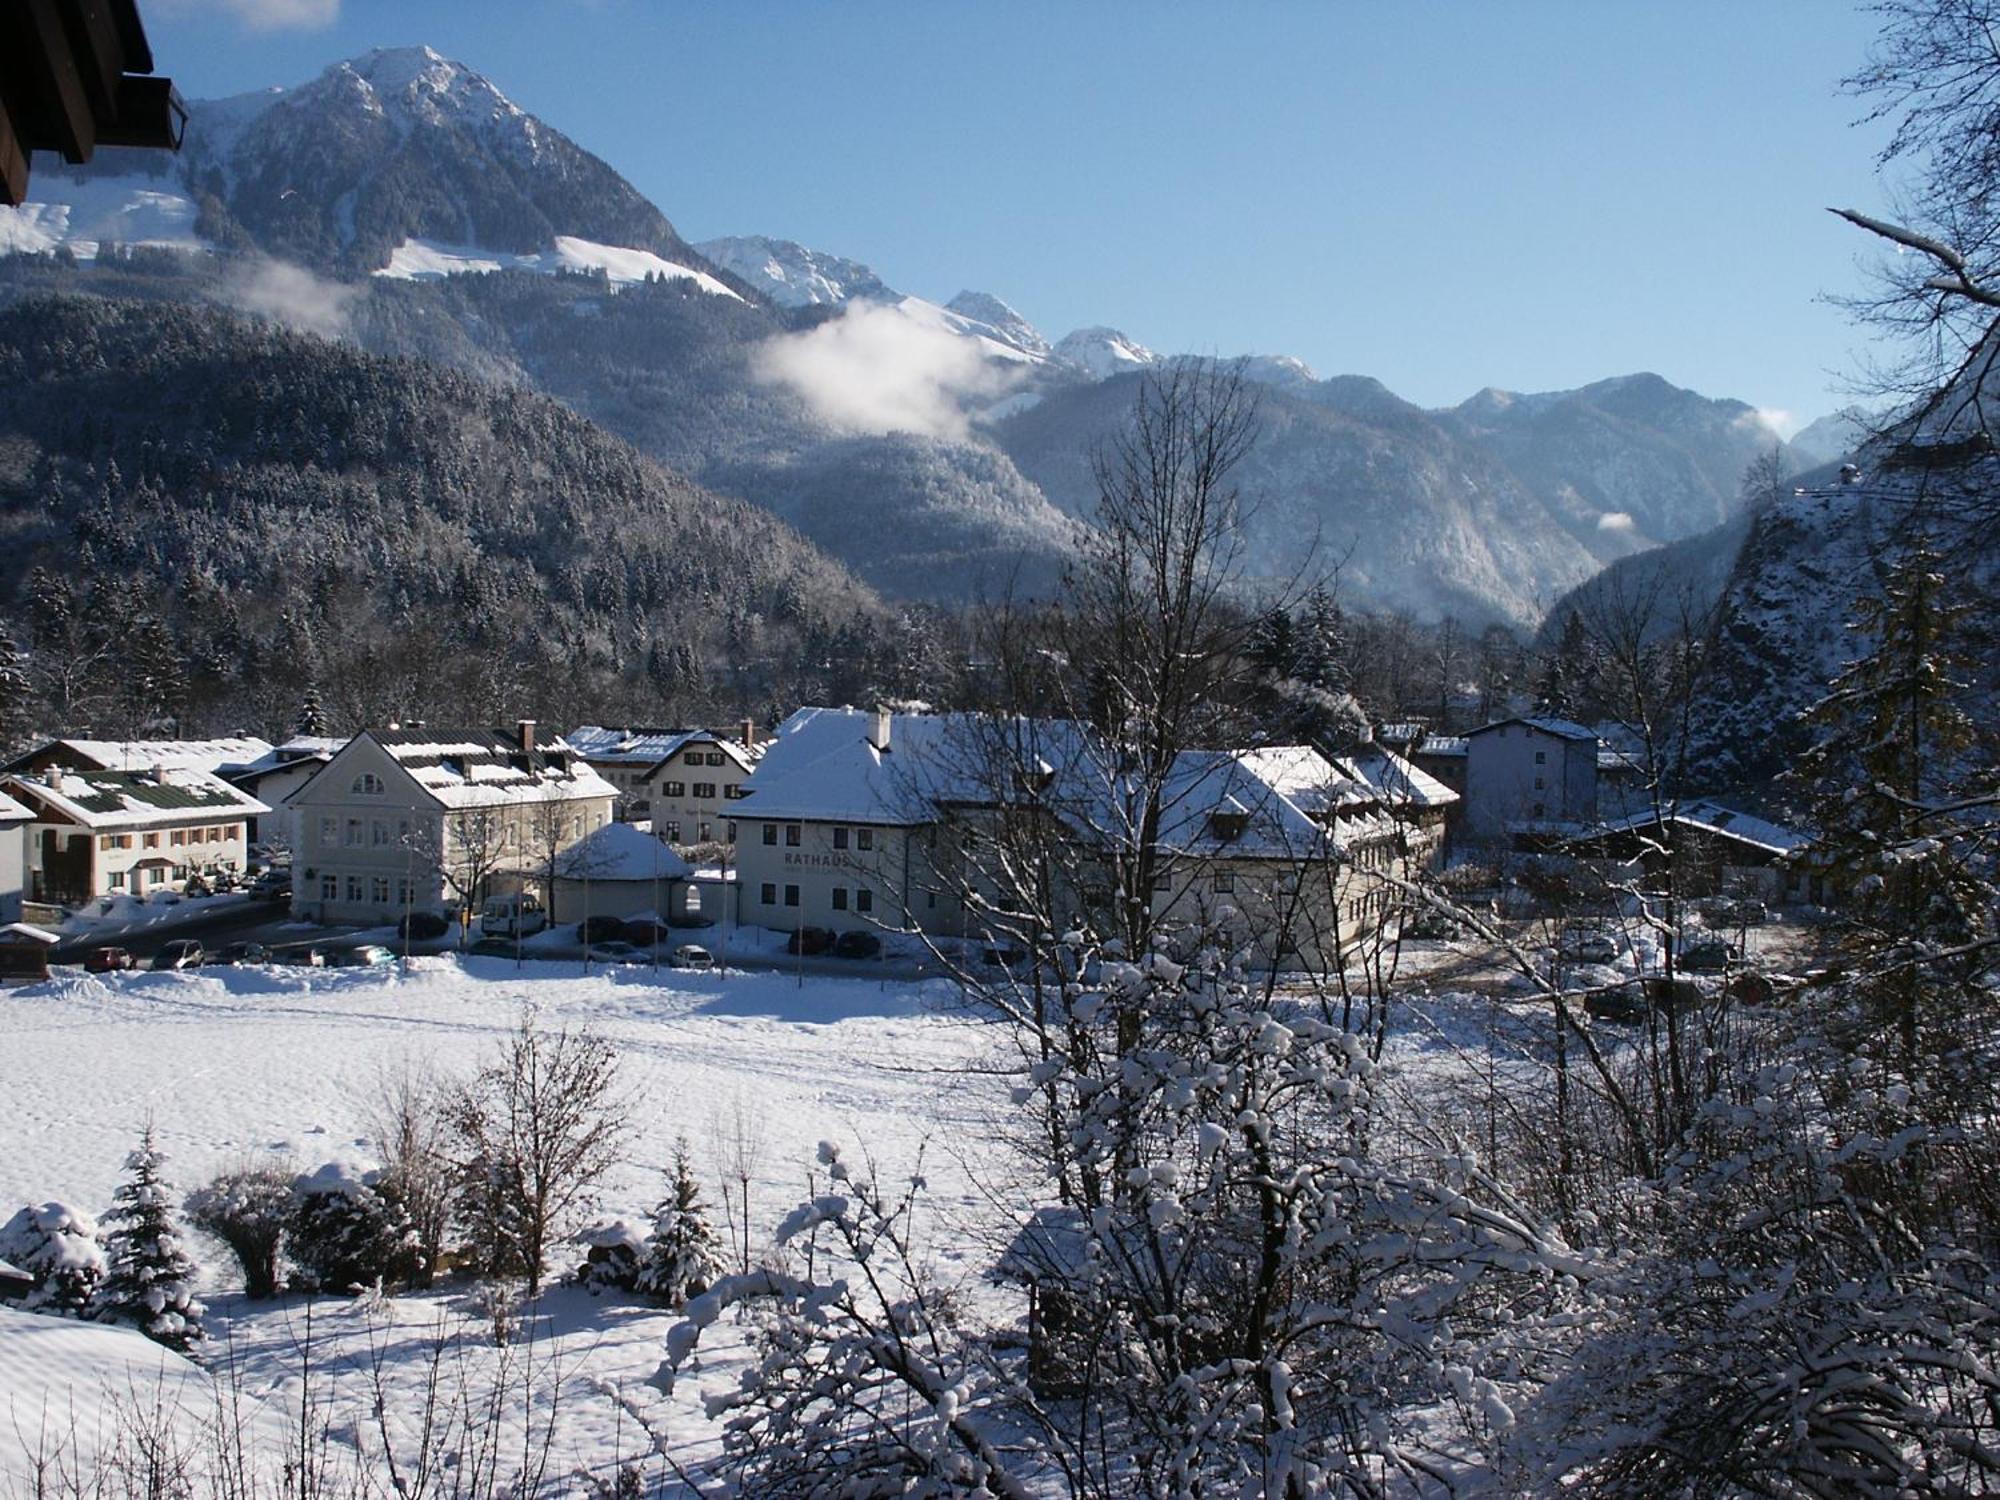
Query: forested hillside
209, 520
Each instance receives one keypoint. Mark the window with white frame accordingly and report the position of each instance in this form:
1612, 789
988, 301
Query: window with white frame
367, 784
329, 888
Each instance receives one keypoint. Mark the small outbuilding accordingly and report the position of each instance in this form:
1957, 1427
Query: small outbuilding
620, 870
24, 953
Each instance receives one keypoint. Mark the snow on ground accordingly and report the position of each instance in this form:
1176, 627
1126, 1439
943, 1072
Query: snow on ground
415, 259
282, 1064
91, 210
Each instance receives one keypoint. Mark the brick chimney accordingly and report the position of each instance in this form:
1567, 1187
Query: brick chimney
747, 734
525, 730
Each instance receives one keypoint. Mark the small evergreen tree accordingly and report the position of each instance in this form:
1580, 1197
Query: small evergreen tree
346, 1233
62, 1250
312, 713
681, 1258
150, 1280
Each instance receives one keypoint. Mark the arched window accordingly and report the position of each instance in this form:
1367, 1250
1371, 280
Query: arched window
367, 784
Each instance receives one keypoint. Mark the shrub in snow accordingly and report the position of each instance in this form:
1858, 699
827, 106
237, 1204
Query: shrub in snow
613, 1259
62, 1252
149, 1280
246, 1209
681, 1258
346, 1234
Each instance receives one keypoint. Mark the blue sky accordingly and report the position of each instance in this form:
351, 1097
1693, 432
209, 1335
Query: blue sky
1444, 196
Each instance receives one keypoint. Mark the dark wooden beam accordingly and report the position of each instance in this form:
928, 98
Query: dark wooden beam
65, 121
13, 161
99, 52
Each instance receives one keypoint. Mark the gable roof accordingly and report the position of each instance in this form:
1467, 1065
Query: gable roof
1712, 817
1562, 729
822, 765
461, 769
13, 812
133, 799
1397, 782
299, 751
648, 747
145, 755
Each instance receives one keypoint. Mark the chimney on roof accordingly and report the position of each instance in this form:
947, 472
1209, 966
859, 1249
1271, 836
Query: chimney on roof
747, 732
159, 775
878, 734
525, 729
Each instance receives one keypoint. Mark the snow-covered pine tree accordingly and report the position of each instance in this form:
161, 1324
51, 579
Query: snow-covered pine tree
312, 712
681, 1257
16, 691
62, 1250
150, 1280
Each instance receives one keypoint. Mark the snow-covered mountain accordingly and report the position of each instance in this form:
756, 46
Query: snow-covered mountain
399, 161
1833, 437
792, 275
1007, 325
1101, 353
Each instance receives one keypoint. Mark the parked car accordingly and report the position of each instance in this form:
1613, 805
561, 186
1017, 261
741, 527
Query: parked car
1431, 926
809, 940
692, 956
181, 953
857, 944
617, 951
244, 953
600, 930
367, 956
1587, 945
1707, 955
307, 957
513, 916
1627, 1002
275, 884
493, 947
642, 932
422, 925
107, 960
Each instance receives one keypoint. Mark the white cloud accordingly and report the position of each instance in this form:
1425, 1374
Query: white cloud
264, 15
1615, 520
1773, 418
291, 295
875, 369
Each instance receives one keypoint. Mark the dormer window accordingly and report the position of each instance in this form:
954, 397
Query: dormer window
367, 784
1228, 826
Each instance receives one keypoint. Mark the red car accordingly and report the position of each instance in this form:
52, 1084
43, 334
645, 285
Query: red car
107, 960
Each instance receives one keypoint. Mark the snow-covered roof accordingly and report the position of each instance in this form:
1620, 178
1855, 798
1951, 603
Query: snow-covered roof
1397, 782
473, 768
619, 851
132, 799
300, 750
1724, 822
192, 755
13, 812
1618, 762
1563, 729
823, 765
642, 747
1441, 745
34, 934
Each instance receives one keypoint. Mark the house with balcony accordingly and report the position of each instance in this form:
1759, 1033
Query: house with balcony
96, 833
435, 820
685, 782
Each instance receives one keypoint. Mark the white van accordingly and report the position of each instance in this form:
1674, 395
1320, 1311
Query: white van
513, 916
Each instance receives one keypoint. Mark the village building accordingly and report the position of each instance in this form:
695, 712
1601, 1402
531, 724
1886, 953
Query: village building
274, 776
685, 782
403, 820
1529, 779
15, 820
97, 833
620, 870
856, 820
1717, 850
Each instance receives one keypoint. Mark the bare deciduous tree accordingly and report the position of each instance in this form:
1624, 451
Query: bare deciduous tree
534, 1132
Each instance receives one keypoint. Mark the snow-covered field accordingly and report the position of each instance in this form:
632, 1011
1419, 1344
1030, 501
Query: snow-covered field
284, 1064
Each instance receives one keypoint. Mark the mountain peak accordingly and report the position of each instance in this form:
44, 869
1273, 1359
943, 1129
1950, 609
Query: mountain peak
795, 275
1008, 326
1103, 352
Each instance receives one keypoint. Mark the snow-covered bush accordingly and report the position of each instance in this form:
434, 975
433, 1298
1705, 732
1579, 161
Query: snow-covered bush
149, 1279
346, 1234
681, 1257
62, 1250
614, 1248
246, 1208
